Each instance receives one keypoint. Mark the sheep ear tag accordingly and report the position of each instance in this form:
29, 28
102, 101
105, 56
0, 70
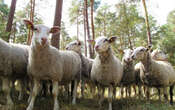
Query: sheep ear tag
29, 24
112, 39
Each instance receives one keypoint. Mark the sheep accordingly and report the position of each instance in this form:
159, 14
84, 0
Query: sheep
157, 54
86, 64
128, 78
13, 65
46, 62
107, 69
155, 73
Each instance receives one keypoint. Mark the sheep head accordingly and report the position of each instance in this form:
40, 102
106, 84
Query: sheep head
41, 32
157, 54
74, 46
139, 53
127, 55
102, 44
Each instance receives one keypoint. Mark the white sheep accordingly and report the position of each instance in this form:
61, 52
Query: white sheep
129, 77
107, 69
155, 73
158, 54
13, 65
48, 63
86, 64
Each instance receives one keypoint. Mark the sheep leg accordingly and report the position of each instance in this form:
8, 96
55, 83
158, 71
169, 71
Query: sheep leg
55, 95
129, 91
110, 95
114, 92
72, 87
171, 94
22, 90
6, 89
165, 94
140, 91
122, 91
147, 90
159, 93
34, 94
82, 88
92, 89
101, 95
74, 92
135, 90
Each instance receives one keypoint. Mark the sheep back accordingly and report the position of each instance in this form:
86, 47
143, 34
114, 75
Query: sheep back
5, 59
162, 73
19, 59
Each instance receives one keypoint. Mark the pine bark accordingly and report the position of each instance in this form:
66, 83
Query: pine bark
55, 41
87, 27
10, 18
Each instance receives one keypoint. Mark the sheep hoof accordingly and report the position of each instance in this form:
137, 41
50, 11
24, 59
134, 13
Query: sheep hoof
73, 102
110, 106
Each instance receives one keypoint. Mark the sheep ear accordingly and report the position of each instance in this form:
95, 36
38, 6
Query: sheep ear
79, 42
92, 42
29, 24
54, 29
149, 48
121, 51
112, 39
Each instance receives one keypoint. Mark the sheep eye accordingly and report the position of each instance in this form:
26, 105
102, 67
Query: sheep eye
105, 40
142, 50
35, 29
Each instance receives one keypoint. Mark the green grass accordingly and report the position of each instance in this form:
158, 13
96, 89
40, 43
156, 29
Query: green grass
46, 103
92, 104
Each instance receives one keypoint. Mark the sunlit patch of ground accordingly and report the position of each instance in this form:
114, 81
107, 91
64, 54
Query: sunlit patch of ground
89, 103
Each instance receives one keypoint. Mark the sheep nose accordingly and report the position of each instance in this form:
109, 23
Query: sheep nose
128, 59
67, 48
96, 47
44, 40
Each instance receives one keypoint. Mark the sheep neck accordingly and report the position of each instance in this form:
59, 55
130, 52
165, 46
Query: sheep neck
146, 61
36, 46
105, 56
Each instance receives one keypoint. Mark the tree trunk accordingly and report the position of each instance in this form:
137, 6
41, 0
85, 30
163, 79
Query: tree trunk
85, 42
32, 10
87, 27
127, 25
77, 26
55, 41
147, 23
10, 18
92, 24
